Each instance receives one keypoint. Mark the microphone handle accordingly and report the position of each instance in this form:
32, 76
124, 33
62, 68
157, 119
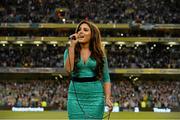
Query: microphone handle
72, 37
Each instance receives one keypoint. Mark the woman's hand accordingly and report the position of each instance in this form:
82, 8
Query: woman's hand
109, 103
73, 40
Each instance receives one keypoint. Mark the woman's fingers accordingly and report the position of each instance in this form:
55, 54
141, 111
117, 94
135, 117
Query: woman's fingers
109, 104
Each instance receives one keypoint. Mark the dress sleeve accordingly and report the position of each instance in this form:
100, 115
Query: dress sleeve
65, 56
106, 77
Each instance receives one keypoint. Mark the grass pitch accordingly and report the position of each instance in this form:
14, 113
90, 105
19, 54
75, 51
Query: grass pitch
52, 115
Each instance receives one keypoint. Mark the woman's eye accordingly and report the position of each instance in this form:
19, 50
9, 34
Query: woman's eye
85, 29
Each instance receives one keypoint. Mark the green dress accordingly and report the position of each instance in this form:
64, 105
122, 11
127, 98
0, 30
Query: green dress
86, 99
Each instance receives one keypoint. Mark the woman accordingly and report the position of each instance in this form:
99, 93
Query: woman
86, 63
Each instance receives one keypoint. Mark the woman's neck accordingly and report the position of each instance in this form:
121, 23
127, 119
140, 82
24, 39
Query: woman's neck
84, 46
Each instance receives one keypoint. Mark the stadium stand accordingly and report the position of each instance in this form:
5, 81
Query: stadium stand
155, 93
31, 56
140, 38
100, 11
127, 93
33, 93
150, 55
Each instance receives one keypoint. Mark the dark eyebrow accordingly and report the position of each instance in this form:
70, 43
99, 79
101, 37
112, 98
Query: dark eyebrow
86, 28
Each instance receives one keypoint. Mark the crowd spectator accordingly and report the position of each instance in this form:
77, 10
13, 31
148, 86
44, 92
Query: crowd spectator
100, 11
32, 93
106, 33
126, 93
31, 56
150, 93
149, 55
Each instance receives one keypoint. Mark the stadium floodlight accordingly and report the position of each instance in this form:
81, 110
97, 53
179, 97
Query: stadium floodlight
138, 43
53, 42
64, 20
3, 42
105, 42
19, 42
172, 43
37, 42
120, 47
120, 43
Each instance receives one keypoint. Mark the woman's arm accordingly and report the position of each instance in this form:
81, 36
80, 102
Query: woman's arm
69, 62
107, 90
107, 85
70, 55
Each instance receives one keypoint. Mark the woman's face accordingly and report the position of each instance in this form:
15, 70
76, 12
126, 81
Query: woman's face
84, 33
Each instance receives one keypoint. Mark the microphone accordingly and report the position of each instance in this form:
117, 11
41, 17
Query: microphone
72, 37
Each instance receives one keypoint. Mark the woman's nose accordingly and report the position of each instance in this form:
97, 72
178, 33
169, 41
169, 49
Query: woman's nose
80, 31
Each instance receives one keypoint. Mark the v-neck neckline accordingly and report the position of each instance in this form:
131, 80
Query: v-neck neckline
81, 57
85, 62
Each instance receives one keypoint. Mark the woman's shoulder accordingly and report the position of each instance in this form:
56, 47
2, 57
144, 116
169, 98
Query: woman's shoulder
66, 51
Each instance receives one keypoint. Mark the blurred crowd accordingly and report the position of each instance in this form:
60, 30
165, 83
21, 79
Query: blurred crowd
31, 56
126, 93
106, 33
154, 93
150, 55
100, 11
34, 93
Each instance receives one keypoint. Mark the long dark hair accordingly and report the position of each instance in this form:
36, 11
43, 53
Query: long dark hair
95, 48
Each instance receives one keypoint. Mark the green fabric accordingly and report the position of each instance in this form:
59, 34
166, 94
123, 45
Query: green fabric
88, 69
86, 99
